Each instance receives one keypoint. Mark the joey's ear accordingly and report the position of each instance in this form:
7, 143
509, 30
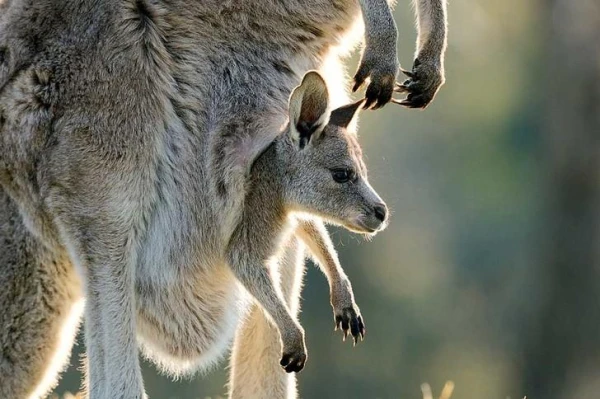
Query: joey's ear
309, 109
343, 116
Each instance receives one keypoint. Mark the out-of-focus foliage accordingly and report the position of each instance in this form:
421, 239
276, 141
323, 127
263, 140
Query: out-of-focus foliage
450, 289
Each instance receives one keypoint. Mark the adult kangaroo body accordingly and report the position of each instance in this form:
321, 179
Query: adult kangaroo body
127, 131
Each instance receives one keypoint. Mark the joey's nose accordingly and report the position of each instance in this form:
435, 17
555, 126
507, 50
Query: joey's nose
380, 212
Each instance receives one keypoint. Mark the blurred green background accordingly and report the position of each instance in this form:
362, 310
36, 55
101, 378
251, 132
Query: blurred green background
489, 272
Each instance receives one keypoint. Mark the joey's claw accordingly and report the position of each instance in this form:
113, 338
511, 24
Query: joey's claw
293, 362
351, 323
354, 330
347, 315
338, 322
294, 350
361, 328
345, 328
285, 359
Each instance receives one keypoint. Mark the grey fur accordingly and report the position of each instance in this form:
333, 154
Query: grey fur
427, 74
130, 132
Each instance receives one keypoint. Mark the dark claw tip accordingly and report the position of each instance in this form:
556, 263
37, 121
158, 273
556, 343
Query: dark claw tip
401, 89
408, 73
358, 81
368, 103
285, 360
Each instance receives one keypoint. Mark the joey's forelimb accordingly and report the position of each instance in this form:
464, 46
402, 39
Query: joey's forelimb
346, 313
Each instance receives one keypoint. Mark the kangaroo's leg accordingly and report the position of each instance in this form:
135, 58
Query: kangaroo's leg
255, 369
113, 369
100, 226
379, 60
94, 353
427, 74
41, 309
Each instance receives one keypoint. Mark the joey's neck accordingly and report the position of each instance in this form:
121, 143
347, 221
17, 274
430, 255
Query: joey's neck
268, 170
266, 190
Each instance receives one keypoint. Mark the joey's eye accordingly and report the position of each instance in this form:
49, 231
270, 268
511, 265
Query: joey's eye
343, 175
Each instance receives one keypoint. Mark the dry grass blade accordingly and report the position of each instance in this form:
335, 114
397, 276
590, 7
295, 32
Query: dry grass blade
426, 389
446, 392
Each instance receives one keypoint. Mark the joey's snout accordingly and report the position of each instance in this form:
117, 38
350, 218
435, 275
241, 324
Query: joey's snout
380, 211
375, 219
371, 219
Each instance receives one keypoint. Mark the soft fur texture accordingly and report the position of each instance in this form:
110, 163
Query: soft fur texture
133, 135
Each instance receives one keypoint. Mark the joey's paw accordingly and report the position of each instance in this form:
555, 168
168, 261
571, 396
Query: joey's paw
381, 67
350, 320
422, 84
293, 361
294, 352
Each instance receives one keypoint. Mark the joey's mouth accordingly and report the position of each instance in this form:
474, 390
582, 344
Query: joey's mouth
362, 226
359, 229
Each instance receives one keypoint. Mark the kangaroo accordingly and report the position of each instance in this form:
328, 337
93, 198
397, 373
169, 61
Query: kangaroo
184, 318
126, 129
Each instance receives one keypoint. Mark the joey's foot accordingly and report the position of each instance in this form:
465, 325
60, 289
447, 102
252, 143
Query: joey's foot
379, 63
294, 352
422, 84
349, 319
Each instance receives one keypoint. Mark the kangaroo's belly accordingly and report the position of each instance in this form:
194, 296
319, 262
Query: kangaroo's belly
189, 324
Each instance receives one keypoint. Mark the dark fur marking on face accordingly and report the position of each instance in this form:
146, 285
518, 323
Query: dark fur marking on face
282, 67
304, 38
315, 31
3, 55
309, 33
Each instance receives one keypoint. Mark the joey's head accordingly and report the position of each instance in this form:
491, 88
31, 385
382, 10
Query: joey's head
322, 163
